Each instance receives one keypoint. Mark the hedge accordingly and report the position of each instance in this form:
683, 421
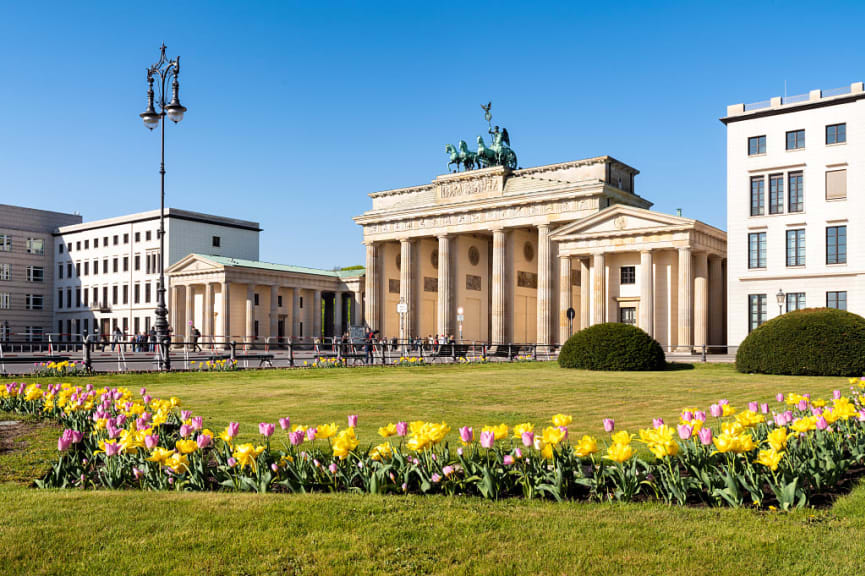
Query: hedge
612, 346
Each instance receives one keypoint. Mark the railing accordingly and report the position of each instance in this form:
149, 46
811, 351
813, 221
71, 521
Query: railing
758, 105
794, 99
837, 91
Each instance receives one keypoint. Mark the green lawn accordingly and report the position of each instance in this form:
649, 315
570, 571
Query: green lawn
74, 532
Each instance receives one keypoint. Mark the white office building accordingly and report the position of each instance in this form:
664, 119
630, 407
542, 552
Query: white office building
107, 271
795, 206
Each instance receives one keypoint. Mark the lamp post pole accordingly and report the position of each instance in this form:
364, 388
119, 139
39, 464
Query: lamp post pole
160, 72
780, 297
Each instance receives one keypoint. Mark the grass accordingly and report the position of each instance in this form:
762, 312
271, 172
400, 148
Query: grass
74, 532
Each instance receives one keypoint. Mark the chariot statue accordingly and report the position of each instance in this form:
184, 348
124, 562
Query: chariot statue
499, 152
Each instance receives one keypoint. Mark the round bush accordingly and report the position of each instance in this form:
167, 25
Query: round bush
814, 342
612, 346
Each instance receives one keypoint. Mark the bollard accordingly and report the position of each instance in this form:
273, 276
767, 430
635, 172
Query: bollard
484, 352
88, 364
290, 355
232, 355
166, 353
454, 352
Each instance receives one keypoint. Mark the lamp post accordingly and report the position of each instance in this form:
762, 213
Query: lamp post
780, 297
460, 319
161, 72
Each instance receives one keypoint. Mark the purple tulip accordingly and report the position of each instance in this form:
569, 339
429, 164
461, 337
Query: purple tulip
112, 449
764, 407
310, 433
204, 440
488, 439
63, 442
436, 477
233, 429
508, 460
467, 434
136, 472
147, 398
151, 441
779, 397
76, 436
715, 410
352, 421
700, 416
266, 429
788, 416
803, 405
821, 423
185, 430
836, 394
232, 462
609, 425
687, 415
333, 468
197, 423
143, 391
753, 406
816, 411
401, 428
657, 422
705, 435
185, 414
528, 439
285, 423
296, 437
684, 431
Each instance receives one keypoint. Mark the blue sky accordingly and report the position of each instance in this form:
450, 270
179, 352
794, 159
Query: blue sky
298, 110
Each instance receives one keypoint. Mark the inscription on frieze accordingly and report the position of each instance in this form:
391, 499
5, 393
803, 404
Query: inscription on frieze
468, 188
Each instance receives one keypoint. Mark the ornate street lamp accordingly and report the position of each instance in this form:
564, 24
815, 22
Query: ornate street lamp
780, 297
161, 72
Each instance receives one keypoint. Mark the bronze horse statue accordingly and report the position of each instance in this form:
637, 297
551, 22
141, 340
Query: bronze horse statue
461, 156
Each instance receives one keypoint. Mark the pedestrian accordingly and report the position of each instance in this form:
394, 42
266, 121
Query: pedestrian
196, 334
116, 338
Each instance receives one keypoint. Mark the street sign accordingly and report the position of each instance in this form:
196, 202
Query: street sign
571, 313
402, 308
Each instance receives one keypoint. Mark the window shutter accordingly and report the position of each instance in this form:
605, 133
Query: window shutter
836, 185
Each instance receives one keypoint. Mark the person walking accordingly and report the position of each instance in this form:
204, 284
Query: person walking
196, 334
116, 338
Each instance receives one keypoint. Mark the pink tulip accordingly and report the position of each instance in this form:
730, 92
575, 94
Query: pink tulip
518, 453
147, 398
76, 436
764, 407
780, 420
508, 460
816, 411
274, 467
836, 394
564, 430
352, 421
185, 414
488, 439
296, 438
232, 462
657, 422
143, 391
285, 423
609, 425
803, 405
528, 439
753, 406
204, 440
136, 472
63, 442
185, 430
401, 428
788, 416
120, 420
266, 429
467, 434
861, 416
687, 415
700, 416
821, 423
448, 470
715, 410
705, 435
684, 431
333, 468
779, 397
233, 429
460, 451
197, 423
436, 478
310, 433
112, 449
151, 441
723, 402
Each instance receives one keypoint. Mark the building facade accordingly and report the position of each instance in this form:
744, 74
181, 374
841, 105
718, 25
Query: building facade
500, 255
27, 270
107, 271
794, 165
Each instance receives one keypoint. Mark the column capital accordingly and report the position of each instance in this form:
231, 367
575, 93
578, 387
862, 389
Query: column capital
544, 225
444, 235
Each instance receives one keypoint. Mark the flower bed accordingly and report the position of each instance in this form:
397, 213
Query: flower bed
62, 369
794, 452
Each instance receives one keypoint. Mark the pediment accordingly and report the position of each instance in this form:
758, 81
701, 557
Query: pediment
194, 263
621, 219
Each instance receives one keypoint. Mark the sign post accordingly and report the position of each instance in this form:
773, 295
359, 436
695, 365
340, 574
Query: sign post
460, 319
402, 309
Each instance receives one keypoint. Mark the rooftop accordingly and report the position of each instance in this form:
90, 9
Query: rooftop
784, 104
240, 262
169, 213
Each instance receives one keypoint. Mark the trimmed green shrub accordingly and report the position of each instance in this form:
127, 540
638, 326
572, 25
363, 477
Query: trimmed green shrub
612, 346
814, 342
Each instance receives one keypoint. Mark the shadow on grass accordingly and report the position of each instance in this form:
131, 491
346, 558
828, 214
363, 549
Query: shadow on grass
676, 366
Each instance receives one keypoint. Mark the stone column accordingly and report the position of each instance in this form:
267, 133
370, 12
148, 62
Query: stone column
189, 314
356, 311
585, 294
207, 328
372, 285
545, 285
685, 291
716, 301
226, 312
405, 287
337, 314
316, 314
250, 312
499, 287
274, 313
173, 310
701, 299
599, 293
565, 300
295, 313
647, 293
444, 287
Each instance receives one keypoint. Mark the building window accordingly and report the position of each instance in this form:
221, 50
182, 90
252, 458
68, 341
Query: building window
138, 236
126, 293
114, 265
795, 139
795, 247
147, 292
60, 271
69, 298
836, 245
60, 299
78, 269
136, 262
95, 267
216, 241
34, 333
77, 245
279, 300
84, 295
33, 301
126, 238
836, 300
69, 269
836, 133
35, 246
147, 235
795, 192
628, 315
776, 194
136, 294
87, 268
756, 145
59, 246
35, 274
105, 266
757, 250
87, 244
78, 297
5, 300
105, 241
114, 299
6, 243
96, 242
300, 299
758, 196
126, 263
105, 296
255, 298
5, 271
795, 301
627, 275
756, 310
836, 185
115, 239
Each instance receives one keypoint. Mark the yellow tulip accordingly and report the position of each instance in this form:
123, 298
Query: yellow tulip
178, 462
187, 446
726, 442
804, 424
769, 458
749, 419
562, 420
382, 452
586, 446
553, 435
745, 443
500, 432
344, 443
160, 455
619, 452
387, 431
247, 455
777, 439
519, 429
326, 431
622, 437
